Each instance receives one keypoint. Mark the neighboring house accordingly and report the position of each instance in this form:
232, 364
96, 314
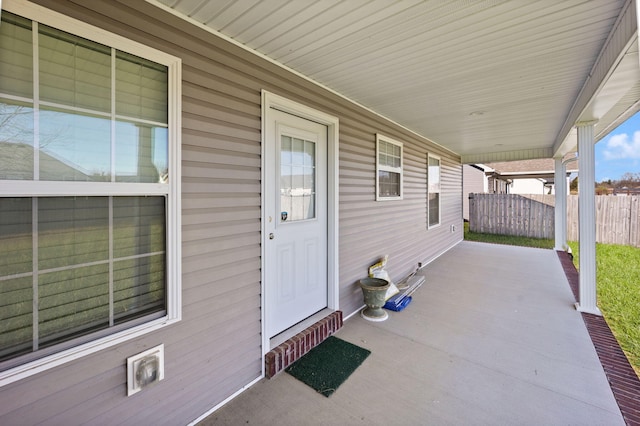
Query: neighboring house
16, 163
626, 191
474, 181
511, 177
525, 177
237, 201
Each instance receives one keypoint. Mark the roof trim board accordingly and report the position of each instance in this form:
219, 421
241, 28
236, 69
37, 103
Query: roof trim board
607, 64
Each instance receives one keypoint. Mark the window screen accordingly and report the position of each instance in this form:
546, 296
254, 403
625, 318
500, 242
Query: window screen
88, 258
389, 169
434, 191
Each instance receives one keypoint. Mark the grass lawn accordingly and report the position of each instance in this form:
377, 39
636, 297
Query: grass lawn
618, 285
618, 292
506, 239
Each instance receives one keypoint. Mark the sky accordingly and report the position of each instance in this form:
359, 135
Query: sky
619, 151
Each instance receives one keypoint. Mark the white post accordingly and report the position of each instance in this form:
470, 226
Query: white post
561, 205
587, 218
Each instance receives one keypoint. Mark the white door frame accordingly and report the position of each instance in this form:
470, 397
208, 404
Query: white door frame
271, 101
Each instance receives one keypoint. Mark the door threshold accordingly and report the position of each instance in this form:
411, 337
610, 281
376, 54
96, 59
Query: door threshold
279, 339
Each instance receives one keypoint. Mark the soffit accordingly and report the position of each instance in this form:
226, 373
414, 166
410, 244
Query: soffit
489, 80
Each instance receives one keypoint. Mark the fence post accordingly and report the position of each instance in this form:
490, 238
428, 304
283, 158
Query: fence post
634, 225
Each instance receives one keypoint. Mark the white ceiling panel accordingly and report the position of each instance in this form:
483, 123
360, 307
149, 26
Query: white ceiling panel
492, 79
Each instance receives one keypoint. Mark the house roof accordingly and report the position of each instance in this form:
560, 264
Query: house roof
538, 168
17, 159
489, 80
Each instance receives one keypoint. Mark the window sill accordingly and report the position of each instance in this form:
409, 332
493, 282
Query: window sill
34, 367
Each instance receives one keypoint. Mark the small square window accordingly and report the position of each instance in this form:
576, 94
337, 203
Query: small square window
388, 169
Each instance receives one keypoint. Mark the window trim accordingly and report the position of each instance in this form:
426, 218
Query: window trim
173, 221
435, 225
379, 167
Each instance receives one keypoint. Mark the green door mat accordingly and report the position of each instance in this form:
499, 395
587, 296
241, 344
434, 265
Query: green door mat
328, 365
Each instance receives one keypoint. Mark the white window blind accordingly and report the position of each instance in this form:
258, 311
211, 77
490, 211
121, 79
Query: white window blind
297, 179
90, 259
433, 191
388, 169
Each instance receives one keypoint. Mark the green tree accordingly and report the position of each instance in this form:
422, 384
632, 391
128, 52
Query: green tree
573, 186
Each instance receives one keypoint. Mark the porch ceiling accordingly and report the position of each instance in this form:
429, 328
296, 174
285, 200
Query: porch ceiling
489, 80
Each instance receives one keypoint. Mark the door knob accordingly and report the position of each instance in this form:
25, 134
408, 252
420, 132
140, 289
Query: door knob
271, 236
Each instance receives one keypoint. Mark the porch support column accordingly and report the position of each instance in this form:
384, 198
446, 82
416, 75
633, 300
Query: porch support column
561, 205
587, 218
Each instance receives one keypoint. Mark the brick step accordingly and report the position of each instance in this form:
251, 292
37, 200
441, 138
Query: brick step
293, 349
624, 382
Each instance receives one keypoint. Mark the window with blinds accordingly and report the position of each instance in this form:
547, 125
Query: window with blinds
388, 169
84, 134
433, 190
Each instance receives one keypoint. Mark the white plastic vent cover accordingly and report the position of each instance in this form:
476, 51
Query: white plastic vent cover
145, 369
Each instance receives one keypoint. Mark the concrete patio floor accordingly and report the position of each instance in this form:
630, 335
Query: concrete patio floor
491, 338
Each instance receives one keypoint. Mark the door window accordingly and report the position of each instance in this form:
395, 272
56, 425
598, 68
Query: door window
297, 179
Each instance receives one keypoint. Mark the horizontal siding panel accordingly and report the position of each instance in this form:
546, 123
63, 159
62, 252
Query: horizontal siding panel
385, 232
205, 108
199, 170
234, 323
202, 277
355, 158
235, 186
357, 133
218, 156
238, 97
225, 288
372, 213
206, 260
241, 368
230, 104
218, 245
205, 124
14, 409
357, 182
104, 390
356, 171
199, 340
203, 216
194, 139
217, 230
202, 351
244, 370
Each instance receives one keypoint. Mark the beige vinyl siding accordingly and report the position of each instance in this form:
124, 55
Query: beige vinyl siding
472, 182
215, 350
370, 229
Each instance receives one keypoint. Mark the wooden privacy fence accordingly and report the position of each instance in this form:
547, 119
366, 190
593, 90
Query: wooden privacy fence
512, 214
617, 218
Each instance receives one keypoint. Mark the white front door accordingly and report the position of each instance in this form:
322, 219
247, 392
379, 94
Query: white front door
295, 220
